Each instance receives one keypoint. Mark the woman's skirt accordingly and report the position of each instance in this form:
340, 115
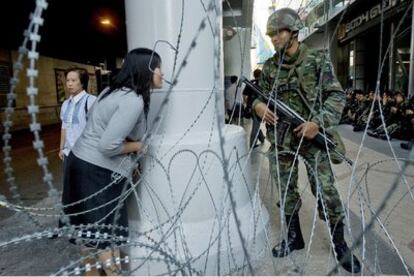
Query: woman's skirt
94, 204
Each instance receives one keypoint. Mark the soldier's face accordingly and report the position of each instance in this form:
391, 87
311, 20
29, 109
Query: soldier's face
399, 99
280, 39
371, 95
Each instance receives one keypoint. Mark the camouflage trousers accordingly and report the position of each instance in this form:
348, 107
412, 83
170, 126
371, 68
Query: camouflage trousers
391, 129
284, 171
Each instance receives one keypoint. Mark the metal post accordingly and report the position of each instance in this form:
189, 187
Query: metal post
391, 72
411, 82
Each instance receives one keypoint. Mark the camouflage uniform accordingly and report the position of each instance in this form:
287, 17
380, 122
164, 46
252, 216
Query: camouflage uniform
398, 123
348, 106
310, 72
361, 112
305, 82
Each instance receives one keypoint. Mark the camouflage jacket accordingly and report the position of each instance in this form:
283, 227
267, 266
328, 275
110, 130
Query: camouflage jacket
362, 107
307, 83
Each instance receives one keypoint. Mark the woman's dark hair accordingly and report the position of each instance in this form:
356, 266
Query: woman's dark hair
82, 73
135, 74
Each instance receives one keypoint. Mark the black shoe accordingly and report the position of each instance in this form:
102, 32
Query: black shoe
344, 256
358, 128
294, 238
406, 145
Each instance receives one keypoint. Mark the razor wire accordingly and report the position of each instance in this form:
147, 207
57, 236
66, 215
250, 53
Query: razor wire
174, 219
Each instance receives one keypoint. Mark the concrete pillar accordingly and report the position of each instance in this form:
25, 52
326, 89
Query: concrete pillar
181, 216
360, 50
411, 77
237, 54
391, 59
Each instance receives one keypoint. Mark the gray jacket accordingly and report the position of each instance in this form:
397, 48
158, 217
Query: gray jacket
111, 121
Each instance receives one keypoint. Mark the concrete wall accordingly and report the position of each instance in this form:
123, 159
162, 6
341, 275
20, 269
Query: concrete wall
47, 98
360, 50
236, 48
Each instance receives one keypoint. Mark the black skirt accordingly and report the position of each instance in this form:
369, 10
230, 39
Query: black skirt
102, 218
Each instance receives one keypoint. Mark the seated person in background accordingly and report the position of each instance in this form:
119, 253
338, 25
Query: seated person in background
394, 123
376, 113
349, 102
375, 119
360, 108
409, 112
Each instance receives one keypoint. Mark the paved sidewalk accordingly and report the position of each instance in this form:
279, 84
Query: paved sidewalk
380, 255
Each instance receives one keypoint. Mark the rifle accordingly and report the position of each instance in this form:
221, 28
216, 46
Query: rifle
321, 140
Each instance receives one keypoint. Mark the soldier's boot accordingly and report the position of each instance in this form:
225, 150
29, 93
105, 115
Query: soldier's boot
359, 127
294, 238
344, 256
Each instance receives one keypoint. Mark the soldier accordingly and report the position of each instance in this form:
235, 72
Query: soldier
376, 113
407, 123
409, 112
361, 111
350, 99
303, 79
396, 122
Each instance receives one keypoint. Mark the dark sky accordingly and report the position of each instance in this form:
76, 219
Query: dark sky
71, 30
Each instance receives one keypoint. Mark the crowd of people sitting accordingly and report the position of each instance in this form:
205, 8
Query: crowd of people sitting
385, 113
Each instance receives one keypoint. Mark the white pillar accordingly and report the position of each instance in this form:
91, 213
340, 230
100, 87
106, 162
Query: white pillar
391, 60
411, 76
237, 54
182, 205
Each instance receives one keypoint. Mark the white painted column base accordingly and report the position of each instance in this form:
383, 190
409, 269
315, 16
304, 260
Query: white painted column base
183, 207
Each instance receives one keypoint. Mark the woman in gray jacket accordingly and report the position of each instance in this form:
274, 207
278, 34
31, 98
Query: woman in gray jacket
100, 163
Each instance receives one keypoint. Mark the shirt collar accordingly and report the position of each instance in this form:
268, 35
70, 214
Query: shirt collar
78, 96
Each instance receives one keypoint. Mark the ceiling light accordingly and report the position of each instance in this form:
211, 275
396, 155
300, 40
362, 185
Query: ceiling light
106, 22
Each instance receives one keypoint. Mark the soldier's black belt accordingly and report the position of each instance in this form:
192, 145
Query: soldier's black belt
287, 87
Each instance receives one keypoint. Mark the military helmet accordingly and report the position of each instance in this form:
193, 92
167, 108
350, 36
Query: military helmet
285, 18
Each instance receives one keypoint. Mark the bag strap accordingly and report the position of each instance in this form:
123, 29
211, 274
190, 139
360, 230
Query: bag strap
86, 107
303, 58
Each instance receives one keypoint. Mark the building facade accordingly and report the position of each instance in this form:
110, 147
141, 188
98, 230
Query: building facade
369, 41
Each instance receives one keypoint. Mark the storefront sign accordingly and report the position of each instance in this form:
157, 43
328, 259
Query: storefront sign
371, 14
